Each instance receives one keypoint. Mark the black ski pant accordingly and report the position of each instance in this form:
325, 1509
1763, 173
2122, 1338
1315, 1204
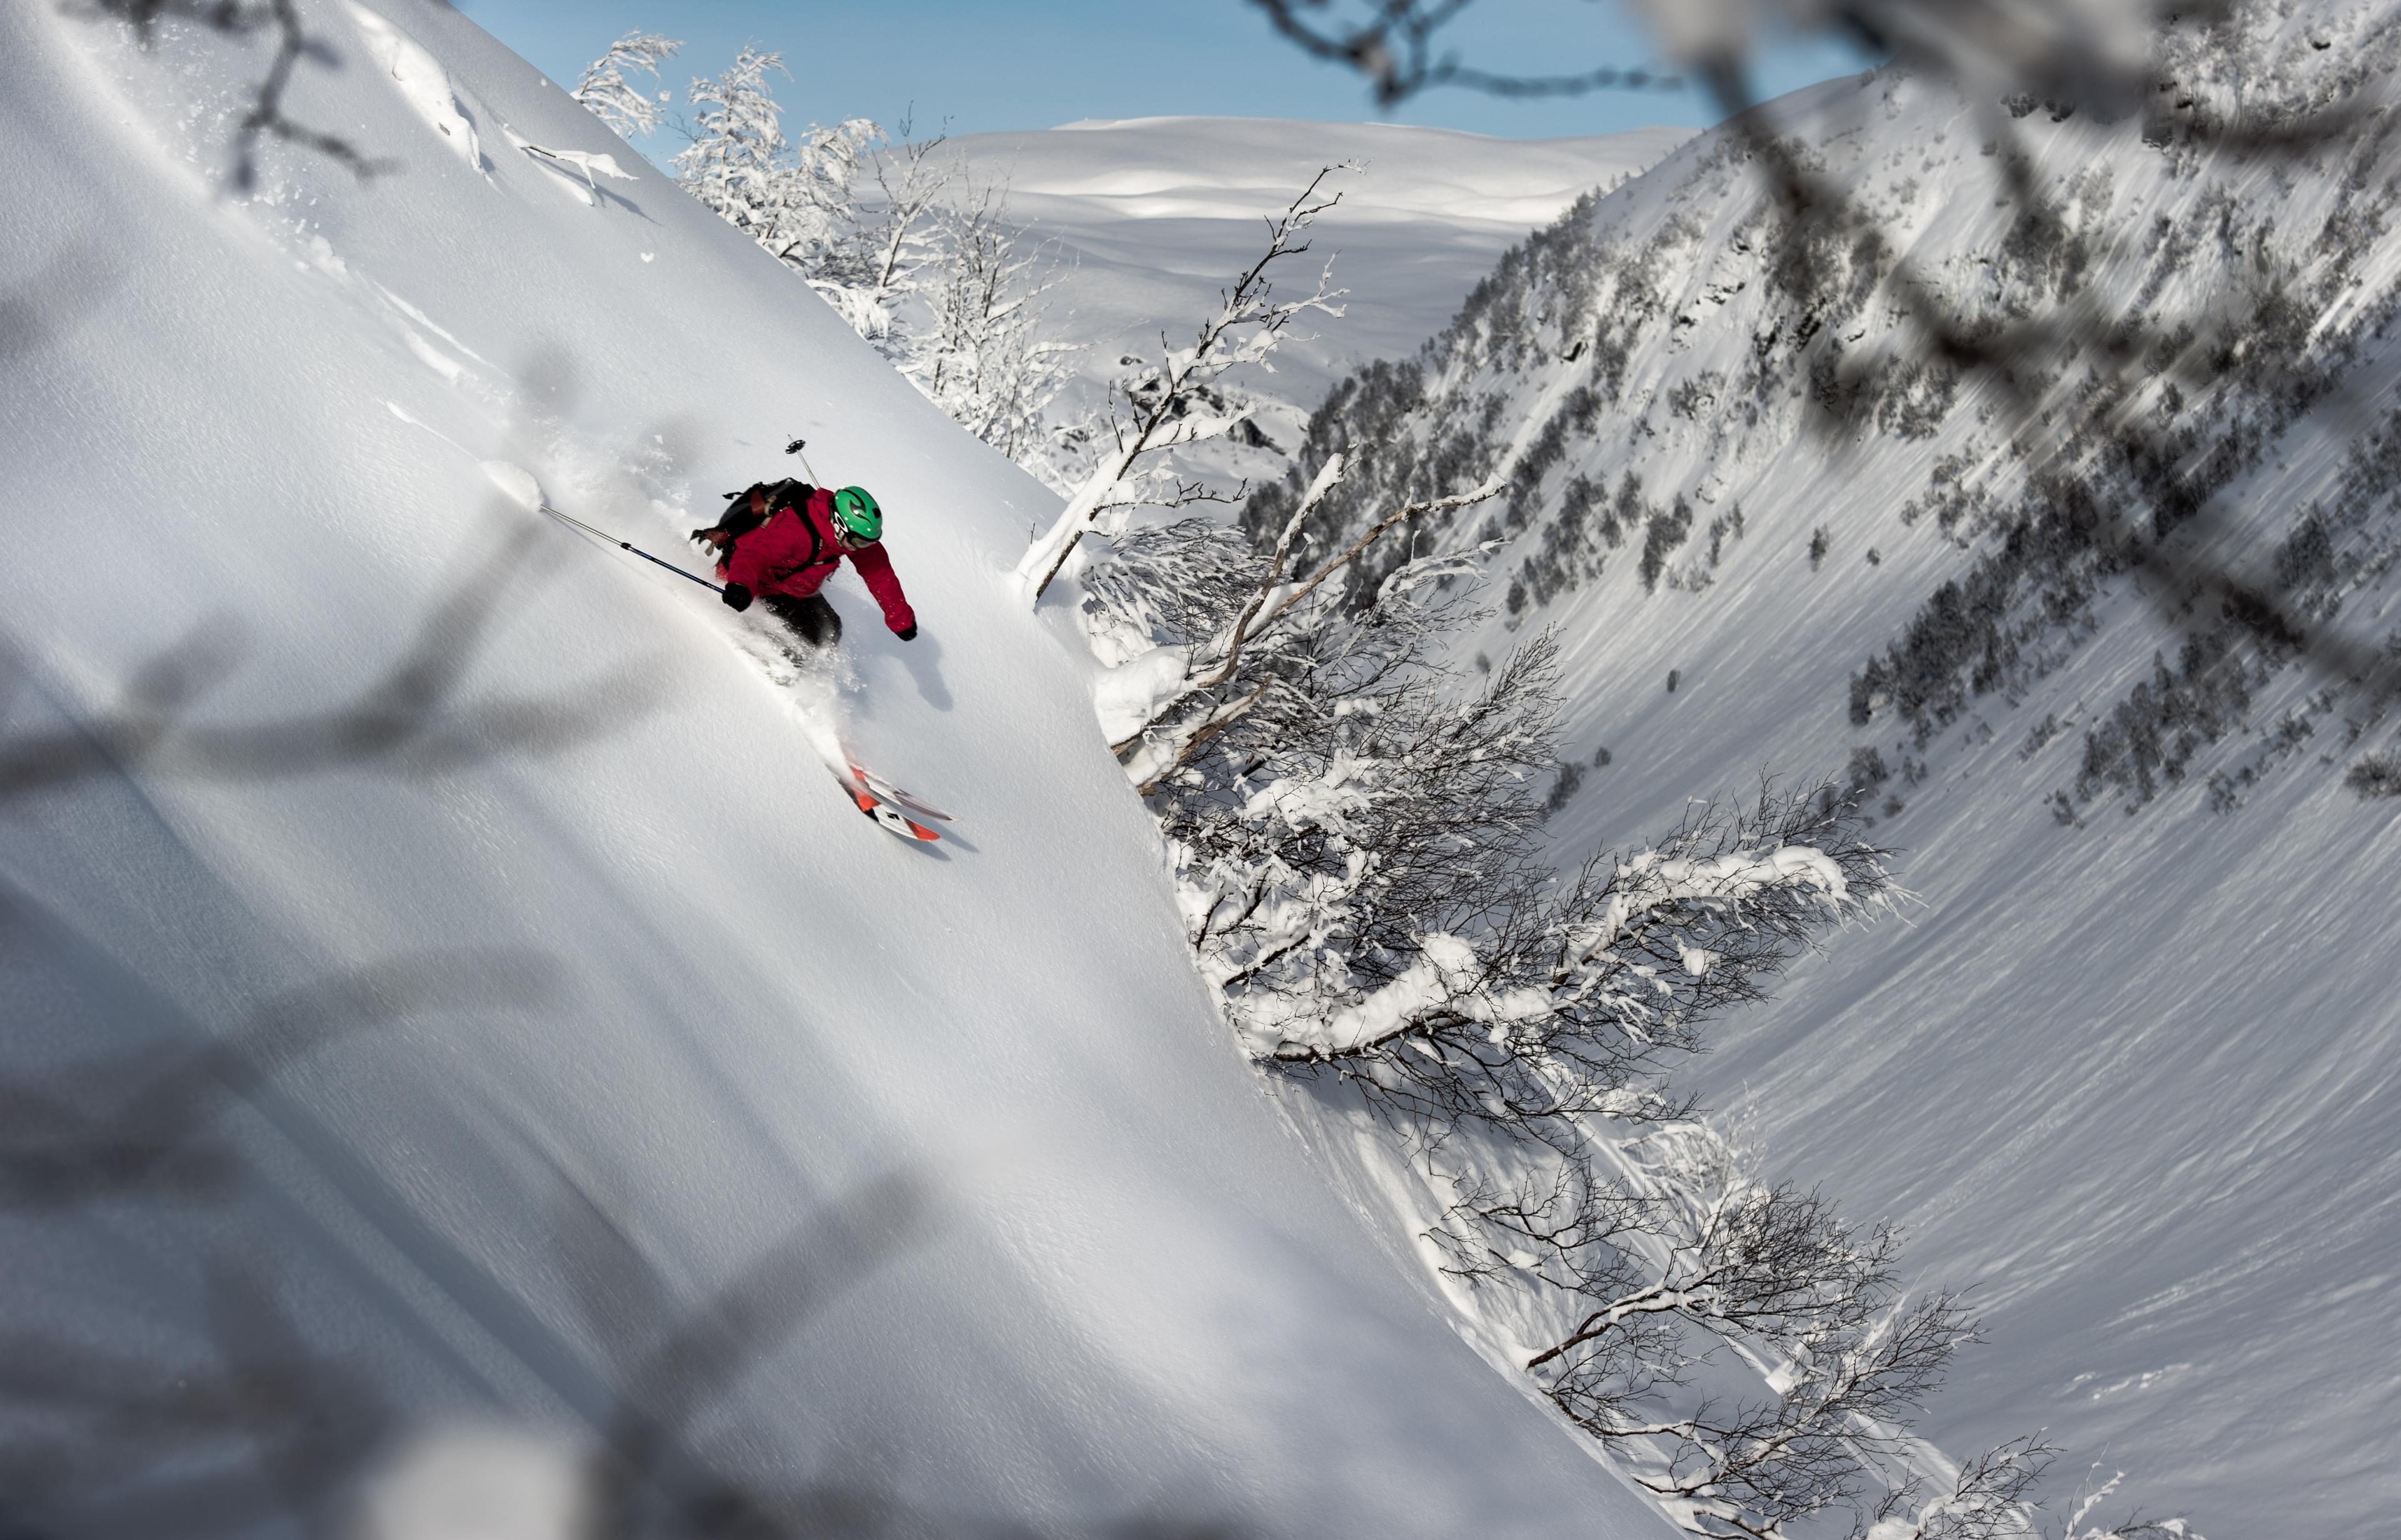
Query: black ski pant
811, 619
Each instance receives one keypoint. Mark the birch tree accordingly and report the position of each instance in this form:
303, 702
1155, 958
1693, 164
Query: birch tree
987, 356
1178, 399
1285, 613
903, 237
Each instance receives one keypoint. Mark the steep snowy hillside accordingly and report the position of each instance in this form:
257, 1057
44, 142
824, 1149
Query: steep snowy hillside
2095, 643
442, 983
1158, 215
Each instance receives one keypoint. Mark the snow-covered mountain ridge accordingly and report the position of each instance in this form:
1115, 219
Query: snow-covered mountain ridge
2127, 1076
1150, 221
443, 983
1158, 215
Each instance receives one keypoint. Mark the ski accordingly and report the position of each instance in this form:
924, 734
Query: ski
886, 815
893, 794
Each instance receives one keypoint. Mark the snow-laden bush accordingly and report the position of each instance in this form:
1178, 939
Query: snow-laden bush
982, 349
792, 196
885, 229
2374, 776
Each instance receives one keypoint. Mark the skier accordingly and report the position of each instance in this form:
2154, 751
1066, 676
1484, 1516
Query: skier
779, 543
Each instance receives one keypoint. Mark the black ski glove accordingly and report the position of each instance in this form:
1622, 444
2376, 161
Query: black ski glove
737, 596
909, 635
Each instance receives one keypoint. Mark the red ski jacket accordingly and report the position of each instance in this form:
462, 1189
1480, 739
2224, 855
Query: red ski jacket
795, 550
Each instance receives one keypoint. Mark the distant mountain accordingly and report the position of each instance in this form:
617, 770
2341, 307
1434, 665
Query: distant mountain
1160, 214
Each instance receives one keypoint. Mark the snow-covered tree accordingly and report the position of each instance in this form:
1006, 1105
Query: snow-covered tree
887, 232
1161, 707
616, 101
1353, 833
738, 158
1992, 1498
1684, 1264
896, 243
1181, 399
1354, 826
987, 356
792, 196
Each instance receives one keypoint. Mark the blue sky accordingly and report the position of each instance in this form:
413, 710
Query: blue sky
1035, 63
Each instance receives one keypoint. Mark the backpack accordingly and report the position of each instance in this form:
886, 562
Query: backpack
738, 520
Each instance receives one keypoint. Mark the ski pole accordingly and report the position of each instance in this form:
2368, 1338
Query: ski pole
628, 545
795, 448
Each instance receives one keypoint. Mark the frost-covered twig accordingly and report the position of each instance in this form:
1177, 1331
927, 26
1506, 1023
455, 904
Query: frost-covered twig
410, 718
1395, 43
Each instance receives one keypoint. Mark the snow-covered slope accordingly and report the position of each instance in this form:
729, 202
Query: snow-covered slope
1157, 216
573, 994
2128, 1069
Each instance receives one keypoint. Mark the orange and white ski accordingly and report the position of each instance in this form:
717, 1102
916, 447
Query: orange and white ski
866, 794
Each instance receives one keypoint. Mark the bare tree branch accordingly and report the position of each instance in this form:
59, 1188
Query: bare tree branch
266, 116
1246, 329
1393, 46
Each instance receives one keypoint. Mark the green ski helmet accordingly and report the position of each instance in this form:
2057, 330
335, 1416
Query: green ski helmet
856, 515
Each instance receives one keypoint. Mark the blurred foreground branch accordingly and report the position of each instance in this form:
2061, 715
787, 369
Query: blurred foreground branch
265, 117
